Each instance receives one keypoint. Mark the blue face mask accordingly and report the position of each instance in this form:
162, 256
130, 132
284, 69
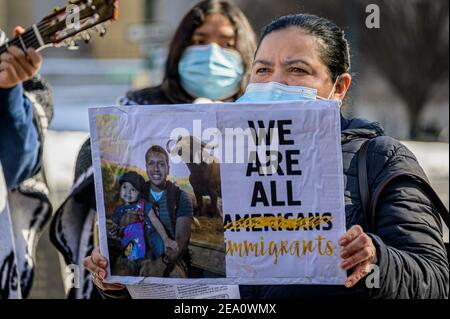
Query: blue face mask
274, 91
210, 71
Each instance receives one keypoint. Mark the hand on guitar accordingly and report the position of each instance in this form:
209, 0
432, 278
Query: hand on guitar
17, 66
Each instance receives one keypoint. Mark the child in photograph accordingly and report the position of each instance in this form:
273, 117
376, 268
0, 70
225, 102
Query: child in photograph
130, 231
129, 226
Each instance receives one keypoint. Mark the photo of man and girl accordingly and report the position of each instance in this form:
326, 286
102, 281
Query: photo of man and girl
152, 228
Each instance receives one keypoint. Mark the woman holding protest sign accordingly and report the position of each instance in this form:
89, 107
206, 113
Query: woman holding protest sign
209, 60
405, 239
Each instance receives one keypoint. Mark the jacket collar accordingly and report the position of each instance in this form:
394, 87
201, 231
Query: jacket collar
359, 128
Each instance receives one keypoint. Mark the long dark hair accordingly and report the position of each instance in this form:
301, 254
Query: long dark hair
245, 44
335, 50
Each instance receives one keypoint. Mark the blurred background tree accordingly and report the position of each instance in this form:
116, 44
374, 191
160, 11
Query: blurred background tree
411, 51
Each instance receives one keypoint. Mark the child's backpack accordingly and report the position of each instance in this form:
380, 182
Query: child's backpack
133, 240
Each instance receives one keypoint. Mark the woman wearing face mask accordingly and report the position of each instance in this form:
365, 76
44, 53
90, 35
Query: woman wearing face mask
307, 57
209, 59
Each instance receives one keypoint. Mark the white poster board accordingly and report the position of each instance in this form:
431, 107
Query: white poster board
263, 182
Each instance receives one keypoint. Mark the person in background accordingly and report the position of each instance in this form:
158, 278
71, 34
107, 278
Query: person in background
25, 111
209, 59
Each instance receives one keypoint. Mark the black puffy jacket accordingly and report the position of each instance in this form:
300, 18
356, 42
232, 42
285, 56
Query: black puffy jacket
411, 254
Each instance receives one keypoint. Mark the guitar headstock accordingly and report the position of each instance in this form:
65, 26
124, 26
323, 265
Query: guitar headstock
77, 21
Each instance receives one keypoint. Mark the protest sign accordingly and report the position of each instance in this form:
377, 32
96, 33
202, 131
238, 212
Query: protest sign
220, 194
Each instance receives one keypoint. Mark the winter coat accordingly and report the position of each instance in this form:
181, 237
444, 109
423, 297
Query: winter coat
408, 235
25, 113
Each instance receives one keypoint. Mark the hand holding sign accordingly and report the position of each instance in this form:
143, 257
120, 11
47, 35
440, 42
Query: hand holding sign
97, 265
358, 252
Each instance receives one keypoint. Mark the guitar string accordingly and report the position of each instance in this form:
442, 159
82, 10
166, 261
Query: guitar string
29, 36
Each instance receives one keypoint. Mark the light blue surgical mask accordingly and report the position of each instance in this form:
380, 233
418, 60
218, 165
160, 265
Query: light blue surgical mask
210, 71
274, 91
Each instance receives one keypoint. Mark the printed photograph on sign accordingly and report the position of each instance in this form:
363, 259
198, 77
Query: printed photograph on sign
162, 197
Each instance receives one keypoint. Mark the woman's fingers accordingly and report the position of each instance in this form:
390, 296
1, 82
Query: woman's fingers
362, 255
357, 244
104, 286
350, 235
96, 263
356, 247
98, 259
93, 268
358, 252
360, 272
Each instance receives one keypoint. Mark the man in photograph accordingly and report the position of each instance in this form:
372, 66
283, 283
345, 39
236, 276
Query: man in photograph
172, 205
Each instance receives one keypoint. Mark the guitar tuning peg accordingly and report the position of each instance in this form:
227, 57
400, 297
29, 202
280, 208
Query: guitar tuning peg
56, 9
87, 38
103, 31
73, 46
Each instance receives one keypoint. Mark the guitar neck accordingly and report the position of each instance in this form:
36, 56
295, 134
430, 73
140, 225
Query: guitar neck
31, 38
54, 29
